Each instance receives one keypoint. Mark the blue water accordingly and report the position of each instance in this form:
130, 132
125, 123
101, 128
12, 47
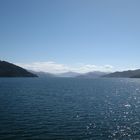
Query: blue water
69, 109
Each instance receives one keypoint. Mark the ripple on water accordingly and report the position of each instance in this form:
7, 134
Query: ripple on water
60, 108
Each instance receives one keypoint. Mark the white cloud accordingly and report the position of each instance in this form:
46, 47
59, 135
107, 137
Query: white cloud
108, 67
53, 67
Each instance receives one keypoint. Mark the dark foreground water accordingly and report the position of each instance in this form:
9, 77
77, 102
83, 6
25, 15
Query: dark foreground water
69, 109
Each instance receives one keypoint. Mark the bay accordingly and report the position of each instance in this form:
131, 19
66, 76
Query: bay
69, 108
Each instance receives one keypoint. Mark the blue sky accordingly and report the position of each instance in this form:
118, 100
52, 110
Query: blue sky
101, 34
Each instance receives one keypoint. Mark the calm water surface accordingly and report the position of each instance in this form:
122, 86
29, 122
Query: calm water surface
69, 109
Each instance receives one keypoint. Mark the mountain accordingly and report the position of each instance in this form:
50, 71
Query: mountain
94, 74
10, 70
125, 74
68, 74
49, 75
43, 74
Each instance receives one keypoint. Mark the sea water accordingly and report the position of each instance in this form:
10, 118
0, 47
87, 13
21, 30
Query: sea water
69, 109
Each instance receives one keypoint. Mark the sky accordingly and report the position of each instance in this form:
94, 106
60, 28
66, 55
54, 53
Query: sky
71, 35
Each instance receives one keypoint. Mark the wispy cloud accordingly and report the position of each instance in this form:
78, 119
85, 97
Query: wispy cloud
53, 67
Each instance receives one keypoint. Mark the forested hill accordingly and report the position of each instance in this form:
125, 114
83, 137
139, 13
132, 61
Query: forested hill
10, 70
125, 74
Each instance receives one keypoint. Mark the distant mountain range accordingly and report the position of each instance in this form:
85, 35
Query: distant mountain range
43, 74
10, 70
125, 74
49, 75
95, 74
70, 74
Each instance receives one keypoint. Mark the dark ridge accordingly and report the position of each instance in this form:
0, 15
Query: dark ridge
94, 74
135, 76
10, 70
125, 74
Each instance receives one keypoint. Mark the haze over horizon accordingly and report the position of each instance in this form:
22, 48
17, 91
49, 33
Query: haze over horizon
70, 35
